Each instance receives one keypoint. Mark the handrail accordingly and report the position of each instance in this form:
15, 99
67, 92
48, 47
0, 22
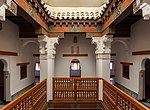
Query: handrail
33, 99
116, 99
75, 89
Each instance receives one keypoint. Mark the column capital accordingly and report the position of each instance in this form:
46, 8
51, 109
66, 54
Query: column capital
4, 4
103, 44
47, 46
42, 39
144, 5
51, 43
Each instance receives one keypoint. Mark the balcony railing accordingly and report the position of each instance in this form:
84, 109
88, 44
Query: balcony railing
76, 90
86, 89
115, 99
33, 99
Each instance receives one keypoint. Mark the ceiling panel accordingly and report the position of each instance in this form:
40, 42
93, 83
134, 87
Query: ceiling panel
75, 3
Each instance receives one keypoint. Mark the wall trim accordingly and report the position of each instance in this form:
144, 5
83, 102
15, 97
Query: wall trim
113, 54
126, 63
20, 64
126, 90
14, 96
36, 55
145, 52
75, 55
8, 53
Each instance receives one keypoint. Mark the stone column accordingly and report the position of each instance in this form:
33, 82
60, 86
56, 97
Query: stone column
103, 45
47, 57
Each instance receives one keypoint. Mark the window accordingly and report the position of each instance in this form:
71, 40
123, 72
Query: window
126, 69
111, 65
37, 66
75, 66
23, 71
75, 69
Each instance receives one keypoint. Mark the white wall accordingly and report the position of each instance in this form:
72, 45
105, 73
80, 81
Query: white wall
62, 64
10, 41
138, 41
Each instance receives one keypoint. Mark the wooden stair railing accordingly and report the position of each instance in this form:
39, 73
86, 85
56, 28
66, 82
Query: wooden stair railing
34, 99
75, 89
116, 99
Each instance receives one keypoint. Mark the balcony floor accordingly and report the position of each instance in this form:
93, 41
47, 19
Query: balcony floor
75, 106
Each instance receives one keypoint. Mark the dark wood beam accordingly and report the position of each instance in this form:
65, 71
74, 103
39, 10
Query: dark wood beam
75, 55
8, 53
145, 52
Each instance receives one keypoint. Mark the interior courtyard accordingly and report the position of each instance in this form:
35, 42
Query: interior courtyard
74, 54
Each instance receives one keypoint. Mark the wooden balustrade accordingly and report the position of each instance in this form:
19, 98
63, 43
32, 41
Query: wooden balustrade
115, 99
34, 99
75, 89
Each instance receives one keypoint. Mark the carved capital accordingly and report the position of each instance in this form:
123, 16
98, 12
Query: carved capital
42, 41
2, 12
103, 44
51, 43
4, 4
144, 5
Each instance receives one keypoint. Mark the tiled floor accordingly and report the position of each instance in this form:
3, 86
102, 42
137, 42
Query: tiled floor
146, 103
2, 104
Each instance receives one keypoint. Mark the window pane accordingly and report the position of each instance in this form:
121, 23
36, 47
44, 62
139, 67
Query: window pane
37, 66
111, 65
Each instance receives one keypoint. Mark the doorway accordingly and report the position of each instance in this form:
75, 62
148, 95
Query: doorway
1, 81
147, 80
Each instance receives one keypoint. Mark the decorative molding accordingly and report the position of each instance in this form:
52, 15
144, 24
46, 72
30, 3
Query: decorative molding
51, 43
20, 64
42, 41
59, 13
126, 63
146, 52
7, 53
109, 15
103, 44
145, 11
75, 55
13, 8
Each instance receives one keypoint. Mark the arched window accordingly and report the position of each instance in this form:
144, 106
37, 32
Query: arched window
75, 68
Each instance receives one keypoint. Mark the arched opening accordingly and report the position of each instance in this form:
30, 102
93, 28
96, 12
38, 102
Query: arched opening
75, 68
119, 52
1, 81
30, 49
147, 80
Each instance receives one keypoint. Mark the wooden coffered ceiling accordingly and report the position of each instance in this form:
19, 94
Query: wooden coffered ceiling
75, 3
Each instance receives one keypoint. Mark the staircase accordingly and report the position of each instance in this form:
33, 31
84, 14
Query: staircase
75, 106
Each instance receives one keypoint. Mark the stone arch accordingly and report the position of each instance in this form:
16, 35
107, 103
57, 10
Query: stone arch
29, 41
143, 63
25, 43
5, 64
122, 42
